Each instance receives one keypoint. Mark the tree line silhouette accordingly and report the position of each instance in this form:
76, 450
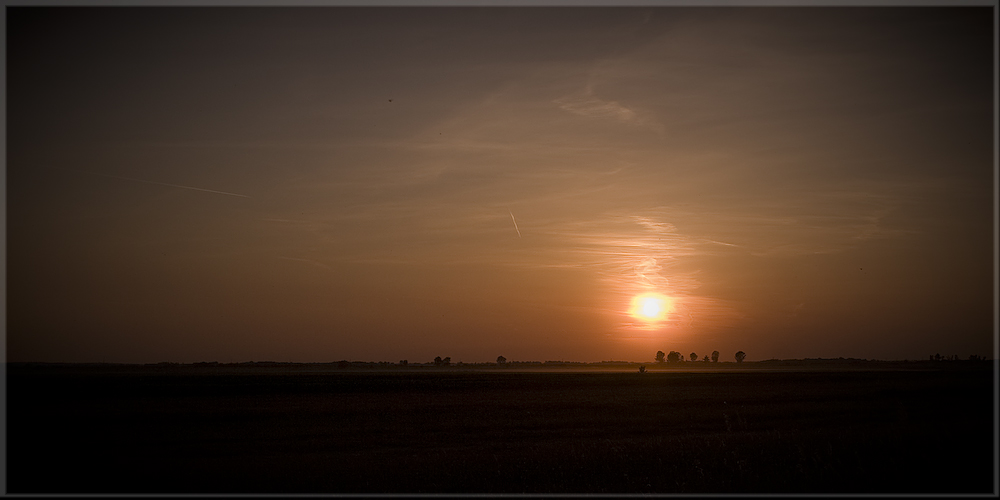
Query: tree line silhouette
676, 357
954, 357
661, 357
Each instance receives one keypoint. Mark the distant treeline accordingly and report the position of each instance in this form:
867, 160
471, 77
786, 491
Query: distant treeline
440, 363
503, 363
954, 357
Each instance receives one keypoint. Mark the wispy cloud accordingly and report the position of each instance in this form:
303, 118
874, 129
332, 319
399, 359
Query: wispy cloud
308, 261
166, 184
628, 255
590, 106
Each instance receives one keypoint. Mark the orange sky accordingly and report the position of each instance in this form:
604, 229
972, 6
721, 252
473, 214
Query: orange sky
317, 184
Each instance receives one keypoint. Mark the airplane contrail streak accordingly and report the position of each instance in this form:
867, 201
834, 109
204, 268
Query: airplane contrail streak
515, 223
307, 261
166, 184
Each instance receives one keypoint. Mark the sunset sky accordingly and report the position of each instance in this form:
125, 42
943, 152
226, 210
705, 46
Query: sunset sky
318, 184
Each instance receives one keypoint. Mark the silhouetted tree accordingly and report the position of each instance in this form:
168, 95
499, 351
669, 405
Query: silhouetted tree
404, 362
694, 356
642, 369
740, 355
705, 359
659, 356
715, 356
437, 361
674, 356
501, 360
446, 361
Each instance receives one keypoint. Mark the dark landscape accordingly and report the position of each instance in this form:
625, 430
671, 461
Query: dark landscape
834, 426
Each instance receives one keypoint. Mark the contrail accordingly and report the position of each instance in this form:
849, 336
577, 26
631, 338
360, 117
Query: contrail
515, 223
166, 184
307, 261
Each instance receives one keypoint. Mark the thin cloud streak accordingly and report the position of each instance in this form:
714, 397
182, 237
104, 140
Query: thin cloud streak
165, 184
515, 223
308, 261
587, 105
630, 255
590, 106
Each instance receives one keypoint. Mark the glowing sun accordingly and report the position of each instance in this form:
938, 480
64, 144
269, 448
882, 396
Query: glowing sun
651, 307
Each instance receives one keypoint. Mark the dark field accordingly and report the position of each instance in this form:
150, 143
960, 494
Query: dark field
160, 430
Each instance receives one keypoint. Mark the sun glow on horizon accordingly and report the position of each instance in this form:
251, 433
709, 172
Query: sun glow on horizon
651, 307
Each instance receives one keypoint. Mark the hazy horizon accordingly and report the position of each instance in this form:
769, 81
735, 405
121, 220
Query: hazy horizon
318, 184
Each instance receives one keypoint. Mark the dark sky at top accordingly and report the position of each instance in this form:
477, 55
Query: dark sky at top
315, 184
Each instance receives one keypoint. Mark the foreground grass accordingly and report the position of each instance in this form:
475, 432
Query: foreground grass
152, 431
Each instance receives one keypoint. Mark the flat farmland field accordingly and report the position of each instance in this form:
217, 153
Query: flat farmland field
143, 429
